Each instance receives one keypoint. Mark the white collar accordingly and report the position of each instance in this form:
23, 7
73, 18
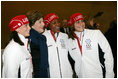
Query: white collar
78, 33
23, 39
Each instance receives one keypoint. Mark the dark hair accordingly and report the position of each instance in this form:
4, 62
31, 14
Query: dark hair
71, 33
33, 16
15, 37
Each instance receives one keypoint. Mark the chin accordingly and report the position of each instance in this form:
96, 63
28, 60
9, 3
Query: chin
81, 30
27, 35
58, 31
40, 31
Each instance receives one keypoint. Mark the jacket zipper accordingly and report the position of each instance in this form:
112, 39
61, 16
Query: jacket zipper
57, 52
59, 62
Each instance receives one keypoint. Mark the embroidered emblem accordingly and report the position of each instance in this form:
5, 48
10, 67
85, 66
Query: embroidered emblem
88, 44
62, 43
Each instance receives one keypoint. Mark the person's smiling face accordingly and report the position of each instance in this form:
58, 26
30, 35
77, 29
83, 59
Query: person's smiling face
24, 30
39, 25
79, 25
55, 26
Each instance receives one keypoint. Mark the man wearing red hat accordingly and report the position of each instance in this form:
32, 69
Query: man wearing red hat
90, 50
17, 60
57, 48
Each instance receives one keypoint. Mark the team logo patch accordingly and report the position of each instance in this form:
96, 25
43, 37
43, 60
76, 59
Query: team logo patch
62, 43
88, 44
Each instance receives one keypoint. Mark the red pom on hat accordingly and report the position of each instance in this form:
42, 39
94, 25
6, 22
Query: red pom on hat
18, 21
49, 18
75, 17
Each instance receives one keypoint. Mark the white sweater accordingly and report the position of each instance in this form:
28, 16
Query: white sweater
58, 56
15, 56
87, 64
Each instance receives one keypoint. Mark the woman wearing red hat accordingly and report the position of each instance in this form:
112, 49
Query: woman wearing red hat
17, 60
57, 48
39, 49
90, 50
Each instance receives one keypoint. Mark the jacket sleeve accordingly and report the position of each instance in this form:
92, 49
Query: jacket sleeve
11, 62
107, 54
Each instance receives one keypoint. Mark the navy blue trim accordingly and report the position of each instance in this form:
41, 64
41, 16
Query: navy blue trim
19, 75
101, 58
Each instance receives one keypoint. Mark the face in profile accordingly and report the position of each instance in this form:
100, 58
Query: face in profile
39, 25
64, 23
24, 30
79, 26
55, 26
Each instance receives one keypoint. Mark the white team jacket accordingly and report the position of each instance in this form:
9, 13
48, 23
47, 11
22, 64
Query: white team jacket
58, 56
87, 64
15, 56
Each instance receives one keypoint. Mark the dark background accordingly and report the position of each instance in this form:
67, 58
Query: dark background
64, 9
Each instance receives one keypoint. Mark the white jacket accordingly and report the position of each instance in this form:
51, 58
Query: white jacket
58, 56
15, 56
87, 64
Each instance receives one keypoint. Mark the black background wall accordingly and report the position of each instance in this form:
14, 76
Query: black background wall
64, 9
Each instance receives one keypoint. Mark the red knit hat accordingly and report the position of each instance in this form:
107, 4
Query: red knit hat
75, 17
49, 18
18, 21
